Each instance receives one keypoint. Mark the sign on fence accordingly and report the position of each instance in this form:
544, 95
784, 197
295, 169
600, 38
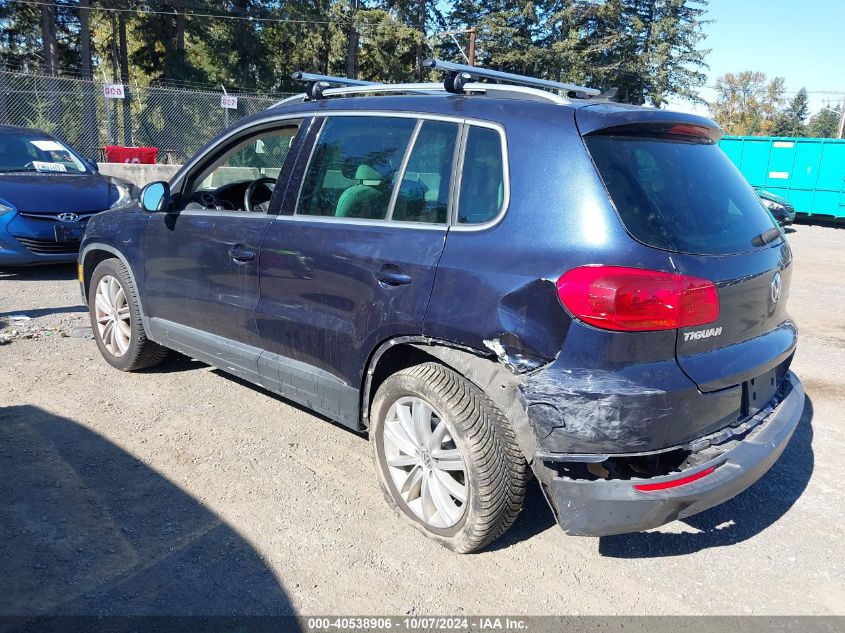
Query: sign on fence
230, 103
113, 91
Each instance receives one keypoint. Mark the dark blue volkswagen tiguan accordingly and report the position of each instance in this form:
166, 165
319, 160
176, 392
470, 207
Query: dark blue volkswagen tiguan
487, 278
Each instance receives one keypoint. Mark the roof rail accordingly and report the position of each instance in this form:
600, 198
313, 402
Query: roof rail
298, 98
422, 88
505, 90
516, 92
459, 75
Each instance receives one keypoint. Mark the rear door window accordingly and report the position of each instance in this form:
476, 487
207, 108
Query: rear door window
683, 196
354, 167
483, 178
423, 195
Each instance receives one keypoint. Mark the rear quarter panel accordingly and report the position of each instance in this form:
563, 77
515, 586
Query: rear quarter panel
495, 291
498, 283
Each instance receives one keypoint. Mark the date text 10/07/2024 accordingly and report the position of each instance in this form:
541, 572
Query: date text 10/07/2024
417, 624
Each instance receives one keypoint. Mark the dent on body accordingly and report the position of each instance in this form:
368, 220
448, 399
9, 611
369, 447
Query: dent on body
532, 327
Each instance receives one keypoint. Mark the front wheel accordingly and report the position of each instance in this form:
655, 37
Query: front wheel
116, 319
446, 457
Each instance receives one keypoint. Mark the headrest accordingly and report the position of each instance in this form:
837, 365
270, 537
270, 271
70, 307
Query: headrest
368, 176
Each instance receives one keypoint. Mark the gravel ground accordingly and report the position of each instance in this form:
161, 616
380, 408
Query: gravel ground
181, 490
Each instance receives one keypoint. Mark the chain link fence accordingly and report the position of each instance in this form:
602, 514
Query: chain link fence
177, 122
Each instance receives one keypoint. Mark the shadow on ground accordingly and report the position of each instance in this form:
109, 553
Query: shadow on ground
87, 529
836, 224
53, 272
40, 312
175, 363
736, 520
536, 517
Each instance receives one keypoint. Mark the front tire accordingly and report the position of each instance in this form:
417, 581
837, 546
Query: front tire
446, 457
116, 319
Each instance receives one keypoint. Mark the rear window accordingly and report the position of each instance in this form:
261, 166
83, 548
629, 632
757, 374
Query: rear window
679, 196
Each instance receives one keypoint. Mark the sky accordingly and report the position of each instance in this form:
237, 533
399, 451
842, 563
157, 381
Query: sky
802, 41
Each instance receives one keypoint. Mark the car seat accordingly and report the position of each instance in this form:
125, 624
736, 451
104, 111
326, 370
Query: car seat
366, 199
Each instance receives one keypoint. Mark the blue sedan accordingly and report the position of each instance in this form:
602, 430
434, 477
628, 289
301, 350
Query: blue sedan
47, 194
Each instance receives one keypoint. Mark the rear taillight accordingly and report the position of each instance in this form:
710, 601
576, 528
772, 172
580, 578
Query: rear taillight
634, 300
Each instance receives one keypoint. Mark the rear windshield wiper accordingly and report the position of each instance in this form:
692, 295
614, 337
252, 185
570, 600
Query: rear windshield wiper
766, 237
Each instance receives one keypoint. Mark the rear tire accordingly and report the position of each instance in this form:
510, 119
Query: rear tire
116, 319
470, 465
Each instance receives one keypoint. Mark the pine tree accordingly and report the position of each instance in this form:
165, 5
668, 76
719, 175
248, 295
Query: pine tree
824, 123
791, 121
671, 58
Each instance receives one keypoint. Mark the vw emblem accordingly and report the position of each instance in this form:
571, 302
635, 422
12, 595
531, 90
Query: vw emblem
68, 217
775, 288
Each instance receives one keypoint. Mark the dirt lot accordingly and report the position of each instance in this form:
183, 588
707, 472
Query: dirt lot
181, 490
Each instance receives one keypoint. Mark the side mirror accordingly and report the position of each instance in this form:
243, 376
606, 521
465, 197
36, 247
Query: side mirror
155, 196
92, 164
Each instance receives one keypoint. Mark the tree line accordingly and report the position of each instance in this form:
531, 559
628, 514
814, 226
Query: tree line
649, 49
748, 103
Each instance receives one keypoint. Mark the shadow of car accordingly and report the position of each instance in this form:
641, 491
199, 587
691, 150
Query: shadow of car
90, 530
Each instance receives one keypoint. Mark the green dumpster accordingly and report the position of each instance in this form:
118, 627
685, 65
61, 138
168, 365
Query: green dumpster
809, 172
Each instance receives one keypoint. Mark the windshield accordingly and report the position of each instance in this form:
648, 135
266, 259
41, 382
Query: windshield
26, 152
680, 196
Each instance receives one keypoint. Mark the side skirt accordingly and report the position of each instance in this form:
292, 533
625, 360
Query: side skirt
300, 382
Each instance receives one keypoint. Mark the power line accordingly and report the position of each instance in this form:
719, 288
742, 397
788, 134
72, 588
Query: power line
194, 14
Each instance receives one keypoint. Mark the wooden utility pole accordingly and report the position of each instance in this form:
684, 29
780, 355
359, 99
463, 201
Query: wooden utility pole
422, 12
841, 121
50, 47
471, 31
470, 58
111, 107
85, 38
124, 79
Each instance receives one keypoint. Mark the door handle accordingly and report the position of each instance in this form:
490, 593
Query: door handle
392, 276
241, 254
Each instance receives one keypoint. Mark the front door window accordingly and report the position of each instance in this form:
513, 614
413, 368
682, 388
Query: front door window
244, 178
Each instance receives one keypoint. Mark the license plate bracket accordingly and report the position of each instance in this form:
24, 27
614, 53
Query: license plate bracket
757, 392
68, 233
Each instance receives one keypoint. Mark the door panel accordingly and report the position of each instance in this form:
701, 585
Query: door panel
202, 258
343, 276
192, 277
321, 300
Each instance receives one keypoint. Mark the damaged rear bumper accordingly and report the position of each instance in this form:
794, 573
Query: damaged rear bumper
603, 507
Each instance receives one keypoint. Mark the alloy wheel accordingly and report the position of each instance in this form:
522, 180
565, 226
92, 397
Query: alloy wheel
424, 462
112, 314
